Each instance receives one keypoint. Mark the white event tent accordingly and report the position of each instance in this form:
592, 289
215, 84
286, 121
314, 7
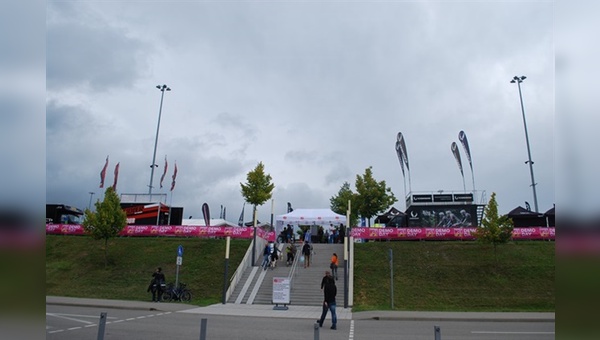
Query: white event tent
323, 217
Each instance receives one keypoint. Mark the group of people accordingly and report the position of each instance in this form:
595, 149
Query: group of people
270, 253
270, 256
324, 234
328, 286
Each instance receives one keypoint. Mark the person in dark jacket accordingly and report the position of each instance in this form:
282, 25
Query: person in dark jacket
306, 250
157, 286
329, 292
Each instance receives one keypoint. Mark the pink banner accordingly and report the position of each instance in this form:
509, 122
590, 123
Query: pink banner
537, 233
64, 229
165, 230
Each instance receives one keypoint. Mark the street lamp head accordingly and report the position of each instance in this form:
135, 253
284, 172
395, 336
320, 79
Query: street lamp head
168, 89
158, 87
518, 79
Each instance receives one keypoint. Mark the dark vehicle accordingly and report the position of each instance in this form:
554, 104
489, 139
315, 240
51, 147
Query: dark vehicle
63, 214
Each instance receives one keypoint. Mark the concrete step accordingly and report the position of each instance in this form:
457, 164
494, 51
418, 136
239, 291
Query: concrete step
306, 282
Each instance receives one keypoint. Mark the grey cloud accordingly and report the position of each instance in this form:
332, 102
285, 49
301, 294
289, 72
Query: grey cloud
317, 91
235, 122
101, 57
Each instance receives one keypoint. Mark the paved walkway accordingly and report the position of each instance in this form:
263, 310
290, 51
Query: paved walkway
302, 312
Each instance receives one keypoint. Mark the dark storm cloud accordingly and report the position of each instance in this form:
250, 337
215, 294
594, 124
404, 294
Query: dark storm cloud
92, 54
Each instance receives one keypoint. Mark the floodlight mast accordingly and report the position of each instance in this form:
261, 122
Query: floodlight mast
518, 81
162, 89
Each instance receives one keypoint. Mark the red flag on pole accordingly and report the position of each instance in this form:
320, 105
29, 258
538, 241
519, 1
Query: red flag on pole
164, 173
103, 173
174, 176
114, 186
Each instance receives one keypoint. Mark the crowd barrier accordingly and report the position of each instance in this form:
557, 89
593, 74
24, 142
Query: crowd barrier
533, 233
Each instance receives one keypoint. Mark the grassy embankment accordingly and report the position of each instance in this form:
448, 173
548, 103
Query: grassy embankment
75, 266
456, 276
443, 276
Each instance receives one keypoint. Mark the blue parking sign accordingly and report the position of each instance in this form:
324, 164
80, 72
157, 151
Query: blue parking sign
180, 250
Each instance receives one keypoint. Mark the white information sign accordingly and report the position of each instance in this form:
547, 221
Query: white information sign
281, 290
179, 260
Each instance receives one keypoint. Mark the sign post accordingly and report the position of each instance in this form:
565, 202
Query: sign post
178, 262
281, 292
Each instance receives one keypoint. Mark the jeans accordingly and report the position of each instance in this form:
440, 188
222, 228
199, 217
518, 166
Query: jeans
331, 307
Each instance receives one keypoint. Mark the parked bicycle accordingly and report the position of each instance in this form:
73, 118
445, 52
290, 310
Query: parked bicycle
180, 293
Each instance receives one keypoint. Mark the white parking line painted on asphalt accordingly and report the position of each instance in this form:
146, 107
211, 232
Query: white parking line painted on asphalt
68, 317
351, 335
91, 324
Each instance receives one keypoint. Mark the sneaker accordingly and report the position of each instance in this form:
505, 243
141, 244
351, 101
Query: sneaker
333, 327
319, 322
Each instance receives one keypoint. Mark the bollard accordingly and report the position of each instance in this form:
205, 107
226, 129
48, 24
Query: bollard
438, 335
203, 329
101, 326
316, 331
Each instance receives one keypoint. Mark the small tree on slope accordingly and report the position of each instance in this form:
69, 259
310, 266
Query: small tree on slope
107, 221
494, 229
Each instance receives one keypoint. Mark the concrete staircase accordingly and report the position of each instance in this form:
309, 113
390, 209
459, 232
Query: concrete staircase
256, 285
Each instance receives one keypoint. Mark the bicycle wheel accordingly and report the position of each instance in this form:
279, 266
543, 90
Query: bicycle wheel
186, 296
168, 295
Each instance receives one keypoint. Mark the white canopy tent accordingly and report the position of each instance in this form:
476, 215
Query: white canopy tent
323, 217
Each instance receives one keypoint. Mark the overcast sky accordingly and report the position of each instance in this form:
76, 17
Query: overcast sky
317, 91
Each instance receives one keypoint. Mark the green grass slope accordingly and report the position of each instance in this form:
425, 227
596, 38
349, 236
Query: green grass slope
455, 276
442, 276
75, 266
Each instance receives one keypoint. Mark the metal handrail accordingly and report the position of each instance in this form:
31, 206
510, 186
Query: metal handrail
294, 266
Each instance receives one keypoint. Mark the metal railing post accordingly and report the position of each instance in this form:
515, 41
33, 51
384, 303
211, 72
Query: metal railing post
101, 326
203, 329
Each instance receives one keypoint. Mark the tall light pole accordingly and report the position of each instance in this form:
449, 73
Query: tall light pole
90, 204
162, 89
519, 80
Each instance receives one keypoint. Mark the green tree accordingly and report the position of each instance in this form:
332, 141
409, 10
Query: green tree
372, 197
339, 203
258, 187
257, 190
494, 229
107, 221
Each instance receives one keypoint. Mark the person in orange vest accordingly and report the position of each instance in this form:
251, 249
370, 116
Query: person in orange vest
334, 265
